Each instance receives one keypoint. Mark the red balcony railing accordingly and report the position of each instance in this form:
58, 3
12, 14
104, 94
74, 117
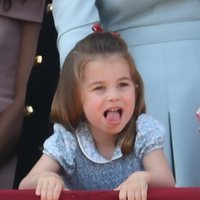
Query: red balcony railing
153, 194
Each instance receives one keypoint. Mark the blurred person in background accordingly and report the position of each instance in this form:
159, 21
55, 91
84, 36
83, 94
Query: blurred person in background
20, 23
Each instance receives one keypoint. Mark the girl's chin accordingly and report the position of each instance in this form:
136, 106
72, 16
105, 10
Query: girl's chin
115, 129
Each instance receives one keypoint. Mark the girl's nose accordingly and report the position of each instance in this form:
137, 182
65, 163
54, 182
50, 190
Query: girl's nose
113, 95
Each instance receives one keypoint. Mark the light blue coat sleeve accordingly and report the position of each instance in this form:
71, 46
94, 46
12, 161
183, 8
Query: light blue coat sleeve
73, 21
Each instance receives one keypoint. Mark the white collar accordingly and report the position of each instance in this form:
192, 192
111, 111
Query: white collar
88, 147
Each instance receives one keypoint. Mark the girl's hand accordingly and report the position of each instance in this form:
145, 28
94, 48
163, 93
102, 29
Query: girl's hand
134, 187
49, 186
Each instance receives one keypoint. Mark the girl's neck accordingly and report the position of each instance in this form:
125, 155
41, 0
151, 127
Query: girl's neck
106, 151
105, 144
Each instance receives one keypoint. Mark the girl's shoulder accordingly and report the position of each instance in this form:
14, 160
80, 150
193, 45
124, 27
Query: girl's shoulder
61, 141
150, 135
62, 134
62, 146
146, 123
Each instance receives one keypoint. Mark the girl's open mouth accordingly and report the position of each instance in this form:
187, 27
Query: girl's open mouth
113, 114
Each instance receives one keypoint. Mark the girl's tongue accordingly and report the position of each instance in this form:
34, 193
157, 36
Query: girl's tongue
113, 116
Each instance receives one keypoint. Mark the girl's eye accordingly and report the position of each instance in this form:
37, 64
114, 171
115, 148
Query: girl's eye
123, 84
99, 88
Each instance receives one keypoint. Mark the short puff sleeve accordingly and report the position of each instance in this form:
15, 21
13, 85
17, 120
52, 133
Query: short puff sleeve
150, 135
62, 146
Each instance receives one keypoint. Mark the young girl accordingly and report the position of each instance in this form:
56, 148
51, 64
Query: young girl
163, 43
102, 138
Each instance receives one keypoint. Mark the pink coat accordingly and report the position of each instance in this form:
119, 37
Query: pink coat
10, 33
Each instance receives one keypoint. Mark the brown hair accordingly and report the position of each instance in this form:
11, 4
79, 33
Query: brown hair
67, 106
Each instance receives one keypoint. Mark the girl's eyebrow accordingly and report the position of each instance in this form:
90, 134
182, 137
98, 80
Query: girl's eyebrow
125, 78
92, 83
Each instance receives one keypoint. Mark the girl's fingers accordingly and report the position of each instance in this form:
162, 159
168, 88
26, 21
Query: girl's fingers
43, 192
50, 191
131, 195
144, 194
137, 195
38, 188
122, 194
57, 191
116, 189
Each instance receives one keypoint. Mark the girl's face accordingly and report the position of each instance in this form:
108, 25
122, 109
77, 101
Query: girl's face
108, 95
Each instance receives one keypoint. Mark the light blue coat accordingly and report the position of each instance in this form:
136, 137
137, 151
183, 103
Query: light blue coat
164, 38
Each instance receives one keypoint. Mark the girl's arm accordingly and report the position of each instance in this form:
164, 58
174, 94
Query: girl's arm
44, 178
157, 174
